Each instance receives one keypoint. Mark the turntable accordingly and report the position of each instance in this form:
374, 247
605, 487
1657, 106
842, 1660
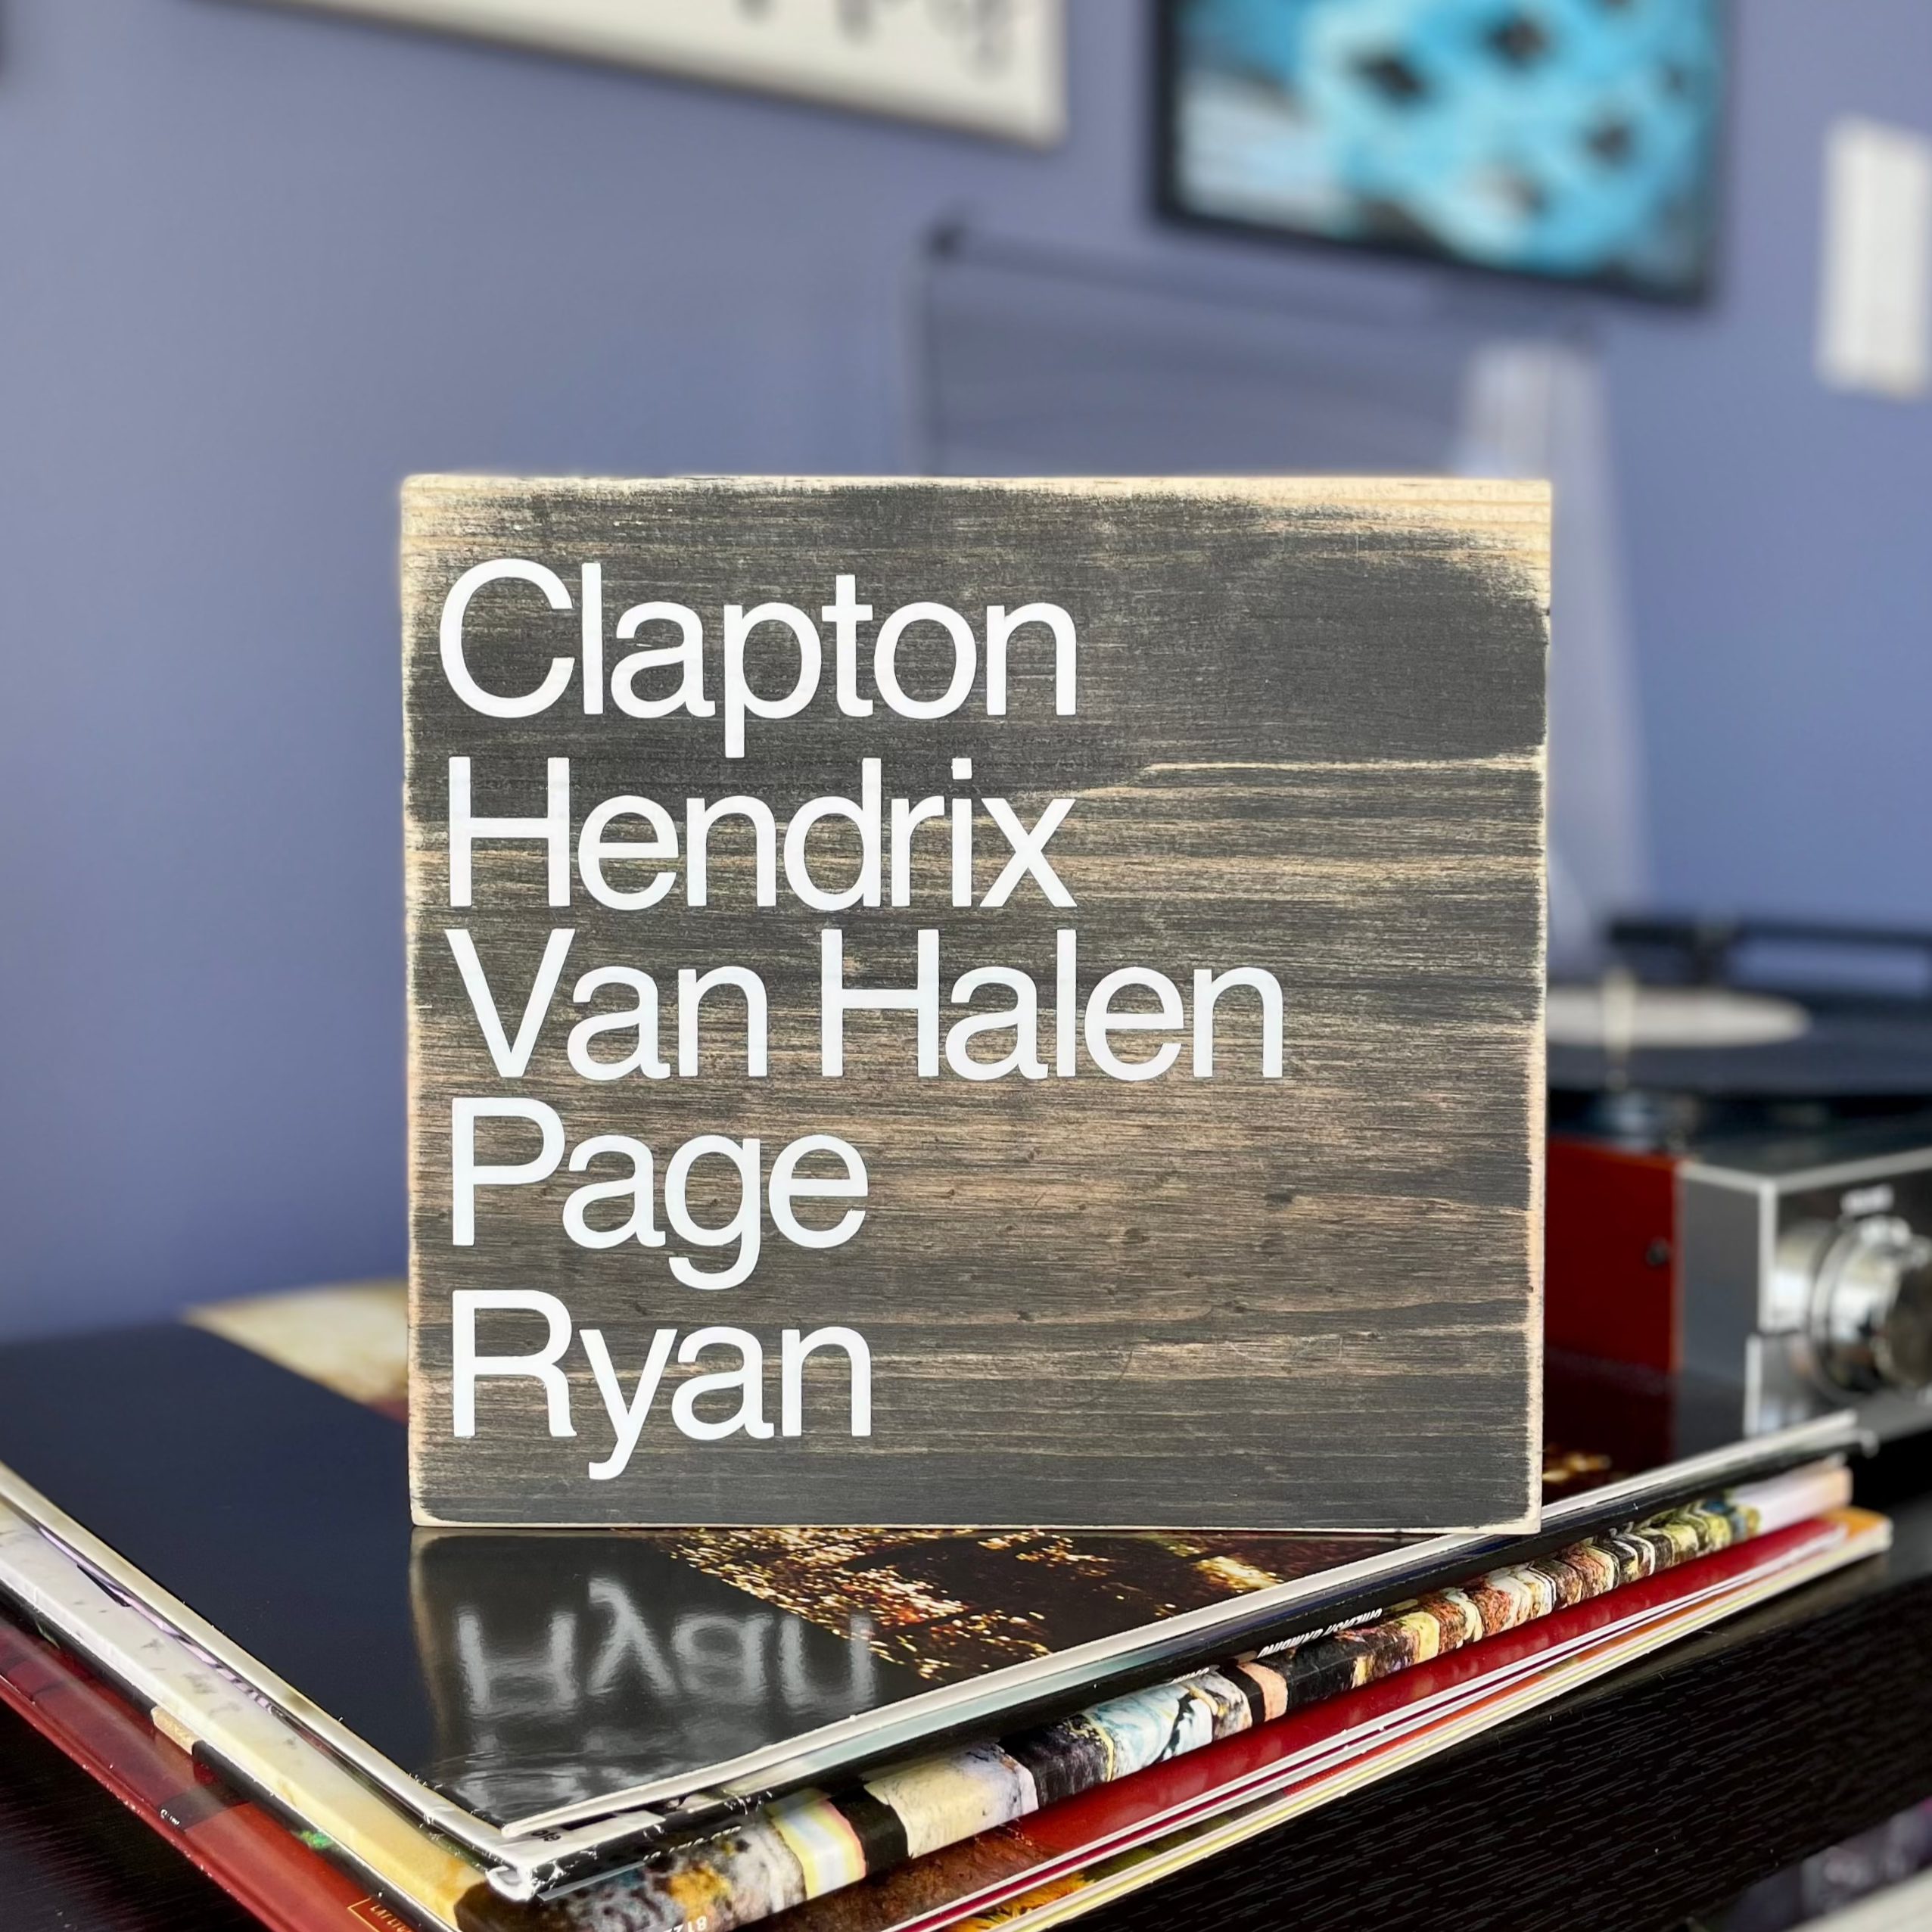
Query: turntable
1741, 1164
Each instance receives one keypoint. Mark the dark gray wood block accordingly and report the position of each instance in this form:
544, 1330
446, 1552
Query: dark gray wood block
1306, 738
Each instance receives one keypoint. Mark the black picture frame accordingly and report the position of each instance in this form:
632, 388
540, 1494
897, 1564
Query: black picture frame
1171, 207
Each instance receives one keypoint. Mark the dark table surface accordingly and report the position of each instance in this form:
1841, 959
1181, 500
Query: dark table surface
1655, 1794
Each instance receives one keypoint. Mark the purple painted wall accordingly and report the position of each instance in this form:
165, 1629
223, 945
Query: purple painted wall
1780, 549
257, 266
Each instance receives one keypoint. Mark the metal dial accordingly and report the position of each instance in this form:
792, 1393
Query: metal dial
1867, 1292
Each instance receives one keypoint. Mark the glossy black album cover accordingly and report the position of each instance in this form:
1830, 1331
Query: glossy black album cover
516, 1672
519, 1672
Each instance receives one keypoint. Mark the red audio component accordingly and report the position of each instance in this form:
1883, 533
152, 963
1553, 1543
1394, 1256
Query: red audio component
1798, 1266
1609, 1284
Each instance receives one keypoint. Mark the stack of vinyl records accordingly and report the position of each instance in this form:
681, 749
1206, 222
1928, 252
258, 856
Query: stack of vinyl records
211, 1598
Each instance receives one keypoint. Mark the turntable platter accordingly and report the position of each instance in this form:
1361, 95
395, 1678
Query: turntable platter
1617, 1018
1719, 1043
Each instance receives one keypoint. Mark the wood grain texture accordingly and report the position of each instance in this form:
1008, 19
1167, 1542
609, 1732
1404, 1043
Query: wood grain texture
1309, 739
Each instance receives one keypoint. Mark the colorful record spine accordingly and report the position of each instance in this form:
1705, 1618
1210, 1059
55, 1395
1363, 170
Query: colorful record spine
814, 1843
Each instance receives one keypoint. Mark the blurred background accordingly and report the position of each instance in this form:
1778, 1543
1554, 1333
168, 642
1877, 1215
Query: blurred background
260, 263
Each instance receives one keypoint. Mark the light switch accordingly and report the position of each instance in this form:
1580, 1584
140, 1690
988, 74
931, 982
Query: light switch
1875, 308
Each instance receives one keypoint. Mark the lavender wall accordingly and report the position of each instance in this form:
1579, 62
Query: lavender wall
259, 265
1781, 552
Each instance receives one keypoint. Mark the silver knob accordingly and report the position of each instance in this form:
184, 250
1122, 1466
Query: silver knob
1869, 1313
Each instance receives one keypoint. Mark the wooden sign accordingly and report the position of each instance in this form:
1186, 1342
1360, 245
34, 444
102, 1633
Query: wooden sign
976, 1003
991, 67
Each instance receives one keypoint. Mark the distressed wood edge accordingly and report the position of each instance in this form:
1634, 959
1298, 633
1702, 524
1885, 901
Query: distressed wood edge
1536, 1090
1529, 492
1536, 1085
1519, 1524
1505, 517
414, 860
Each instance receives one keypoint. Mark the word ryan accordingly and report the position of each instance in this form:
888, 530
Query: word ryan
629, 1413
723, 1198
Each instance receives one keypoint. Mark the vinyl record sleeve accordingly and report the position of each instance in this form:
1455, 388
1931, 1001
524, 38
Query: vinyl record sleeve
1121, 1837
1117, 1837
264, 1519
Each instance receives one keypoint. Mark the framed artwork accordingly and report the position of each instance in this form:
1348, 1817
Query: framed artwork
1569, 141
991, 66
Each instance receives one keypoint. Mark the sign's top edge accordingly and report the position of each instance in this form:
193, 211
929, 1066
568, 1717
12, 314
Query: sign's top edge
1530, 492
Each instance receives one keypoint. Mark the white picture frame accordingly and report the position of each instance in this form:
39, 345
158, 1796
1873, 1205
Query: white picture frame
994, 67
